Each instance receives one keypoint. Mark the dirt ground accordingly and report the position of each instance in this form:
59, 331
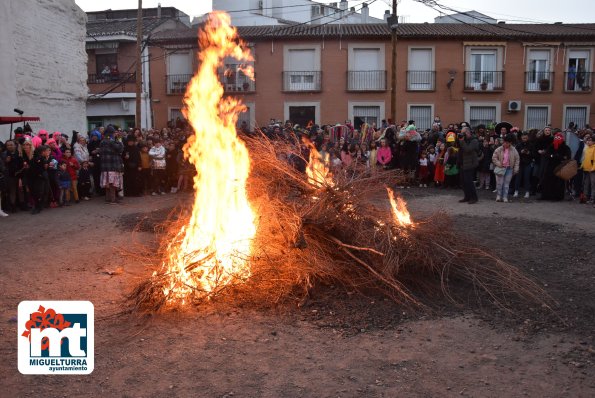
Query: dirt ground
339, 344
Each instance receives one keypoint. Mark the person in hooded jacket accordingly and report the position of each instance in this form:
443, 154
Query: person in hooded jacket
552, 186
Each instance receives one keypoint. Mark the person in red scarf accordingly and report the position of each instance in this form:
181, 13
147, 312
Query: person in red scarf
552, 187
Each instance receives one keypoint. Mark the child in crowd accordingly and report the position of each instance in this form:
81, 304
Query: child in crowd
423, 170
145, 169
72, 166
64, 183
451, 169
84, 181
158, 166
431, 154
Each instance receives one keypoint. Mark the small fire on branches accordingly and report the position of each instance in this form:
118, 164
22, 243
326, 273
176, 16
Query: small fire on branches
212, 249
400, 213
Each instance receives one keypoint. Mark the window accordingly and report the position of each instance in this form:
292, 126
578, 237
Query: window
366, 114
484, 69
420, 74
301, 68
302, 112
577, 114
109, 60
422, 115
578, 73
482, 115
175, 114
367, 71
246, 118
536, 116
179, 72
538, 70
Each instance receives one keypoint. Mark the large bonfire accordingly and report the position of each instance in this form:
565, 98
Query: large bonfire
261, 231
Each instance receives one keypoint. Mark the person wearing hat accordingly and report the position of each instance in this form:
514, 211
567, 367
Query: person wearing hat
469, 147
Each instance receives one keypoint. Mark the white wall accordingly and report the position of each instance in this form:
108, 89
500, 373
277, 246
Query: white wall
43, 63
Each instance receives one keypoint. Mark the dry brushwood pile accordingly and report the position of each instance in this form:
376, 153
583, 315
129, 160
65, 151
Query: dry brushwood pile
340, 231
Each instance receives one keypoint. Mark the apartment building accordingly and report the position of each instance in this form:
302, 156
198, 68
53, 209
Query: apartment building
111, 66
528, 74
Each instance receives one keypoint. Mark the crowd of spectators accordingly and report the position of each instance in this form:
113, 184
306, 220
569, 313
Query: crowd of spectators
44, 170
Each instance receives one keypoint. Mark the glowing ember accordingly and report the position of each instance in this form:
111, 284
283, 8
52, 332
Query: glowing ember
212, 250
399, 209
318, 171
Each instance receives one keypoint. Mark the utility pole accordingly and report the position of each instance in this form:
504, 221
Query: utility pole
139, 64
393, 21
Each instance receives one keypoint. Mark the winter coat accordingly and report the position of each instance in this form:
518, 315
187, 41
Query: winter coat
72, 166
111, 155
468, 153
514, 158
157, 155
588, 164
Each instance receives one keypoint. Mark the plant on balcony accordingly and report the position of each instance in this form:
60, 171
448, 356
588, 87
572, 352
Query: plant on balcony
484, 86
246, 86
544, 84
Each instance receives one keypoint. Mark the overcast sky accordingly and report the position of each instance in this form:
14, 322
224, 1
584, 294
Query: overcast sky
569, 11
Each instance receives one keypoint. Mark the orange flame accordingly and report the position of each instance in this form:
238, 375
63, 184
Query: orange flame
401, 215
317, 171
212, 250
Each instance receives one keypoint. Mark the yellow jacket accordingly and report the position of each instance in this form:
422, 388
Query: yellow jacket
589, 159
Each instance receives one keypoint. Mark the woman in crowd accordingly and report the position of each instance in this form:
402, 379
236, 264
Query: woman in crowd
552, 186
111, 165
507, 162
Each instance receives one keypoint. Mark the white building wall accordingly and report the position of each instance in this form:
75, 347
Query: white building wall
43, 63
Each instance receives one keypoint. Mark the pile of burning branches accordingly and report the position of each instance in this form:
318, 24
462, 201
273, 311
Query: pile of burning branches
318, 228
261, 231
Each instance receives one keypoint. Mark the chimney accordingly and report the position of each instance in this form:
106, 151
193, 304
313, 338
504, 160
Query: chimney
386, 15
159, 10
365, 13
343, 5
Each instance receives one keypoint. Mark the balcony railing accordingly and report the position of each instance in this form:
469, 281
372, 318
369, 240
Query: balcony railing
484, 81
99, 78
302, 81
421, 80
176, 84
578, 82
366, 80
539, 81
234, 80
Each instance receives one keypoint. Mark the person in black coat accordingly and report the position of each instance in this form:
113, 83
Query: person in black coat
553, 187
132, 164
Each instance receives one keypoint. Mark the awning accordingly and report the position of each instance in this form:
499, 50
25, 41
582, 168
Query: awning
18, 119
97, 45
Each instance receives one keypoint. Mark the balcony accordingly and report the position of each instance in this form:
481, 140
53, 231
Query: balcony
111, 78
176, 84
421, 80
366, 80
302, 81
234, 80
539, 81
578, 82
484, 81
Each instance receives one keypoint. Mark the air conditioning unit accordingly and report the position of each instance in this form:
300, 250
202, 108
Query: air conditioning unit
514, 106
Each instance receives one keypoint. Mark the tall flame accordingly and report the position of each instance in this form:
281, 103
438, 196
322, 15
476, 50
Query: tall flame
401, 215
212, 249
317, 170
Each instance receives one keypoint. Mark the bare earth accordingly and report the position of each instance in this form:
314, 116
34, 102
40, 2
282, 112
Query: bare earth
337, 345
